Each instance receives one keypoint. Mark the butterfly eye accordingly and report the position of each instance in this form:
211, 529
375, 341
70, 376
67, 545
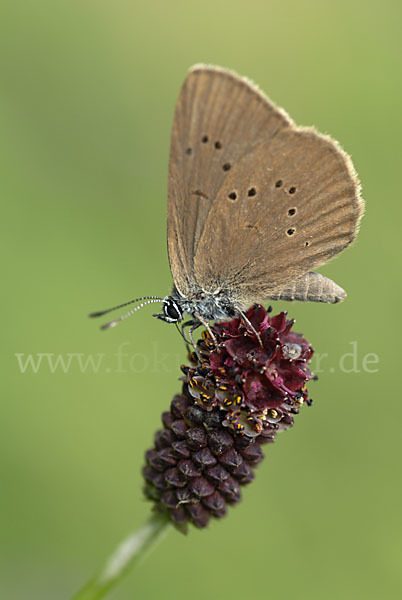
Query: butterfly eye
172, 311
291, 231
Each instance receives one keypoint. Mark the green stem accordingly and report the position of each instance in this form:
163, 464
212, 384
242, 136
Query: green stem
124, 558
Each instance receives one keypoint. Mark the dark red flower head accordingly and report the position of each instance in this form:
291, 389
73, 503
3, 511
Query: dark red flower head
239, 390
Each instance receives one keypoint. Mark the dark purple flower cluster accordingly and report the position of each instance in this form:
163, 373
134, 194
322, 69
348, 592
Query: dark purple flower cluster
240, 389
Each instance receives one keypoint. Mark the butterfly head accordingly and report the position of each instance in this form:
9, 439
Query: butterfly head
171, 311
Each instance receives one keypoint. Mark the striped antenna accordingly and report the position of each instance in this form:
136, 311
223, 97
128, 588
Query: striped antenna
108, 310
129, 313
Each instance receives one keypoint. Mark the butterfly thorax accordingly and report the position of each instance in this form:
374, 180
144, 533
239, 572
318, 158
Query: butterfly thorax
210, 306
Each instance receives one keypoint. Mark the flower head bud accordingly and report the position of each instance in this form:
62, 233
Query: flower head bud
238, 391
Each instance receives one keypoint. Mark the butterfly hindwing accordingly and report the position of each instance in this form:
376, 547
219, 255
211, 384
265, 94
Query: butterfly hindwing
286, 208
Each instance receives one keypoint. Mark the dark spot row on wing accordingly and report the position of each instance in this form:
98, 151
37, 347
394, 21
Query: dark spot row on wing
217, 145
291, 190
251, 192
205, 140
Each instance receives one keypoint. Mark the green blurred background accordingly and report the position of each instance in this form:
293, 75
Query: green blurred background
87, 93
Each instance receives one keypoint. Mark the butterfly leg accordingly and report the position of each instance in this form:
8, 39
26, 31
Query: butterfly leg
193, 324
248, 322
207, 326
193, 327
182, 330
188, 323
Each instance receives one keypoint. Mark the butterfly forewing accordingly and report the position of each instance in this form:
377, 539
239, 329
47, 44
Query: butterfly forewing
219, 118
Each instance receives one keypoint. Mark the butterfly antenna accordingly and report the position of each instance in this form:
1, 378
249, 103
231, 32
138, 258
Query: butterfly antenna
108, 310
129, 313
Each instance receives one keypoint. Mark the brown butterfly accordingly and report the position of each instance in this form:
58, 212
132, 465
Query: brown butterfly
254, 203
